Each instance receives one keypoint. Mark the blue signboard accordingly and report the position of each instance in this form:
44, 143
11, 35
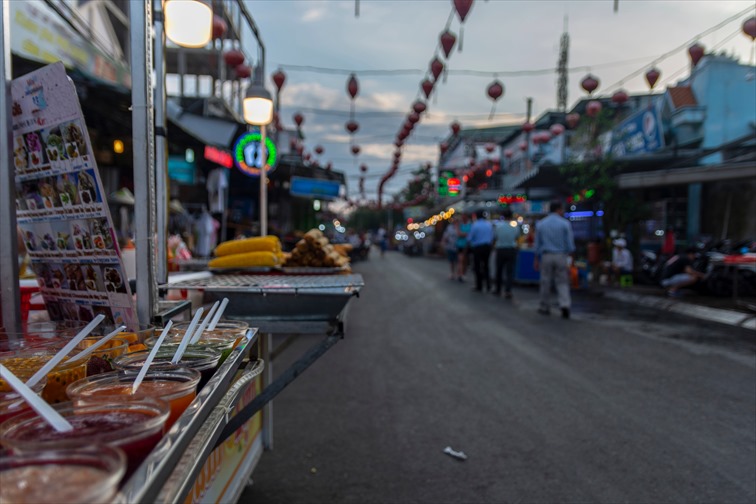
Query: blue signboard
640, 133
314, 188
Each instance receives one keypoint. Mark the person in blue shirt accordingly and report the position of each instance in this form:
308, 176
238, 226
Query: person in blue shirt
506, 233
554, 243
480, 238
462, 247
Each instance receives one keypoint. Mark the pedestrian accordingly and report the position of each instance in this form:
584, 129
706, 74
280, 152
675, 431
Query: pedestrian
449, 242
382, 240
481, 238
506, 233
463, 248
554, 244
679, 272
622, 261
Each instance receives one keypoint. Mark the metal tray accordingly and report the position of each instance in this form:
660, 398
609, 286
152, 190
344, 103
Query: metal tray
289, 297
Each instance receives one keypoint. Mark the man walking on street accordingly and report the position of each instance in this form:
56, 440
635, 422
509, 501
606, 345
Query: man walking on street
480, 238
554, 243
506, 233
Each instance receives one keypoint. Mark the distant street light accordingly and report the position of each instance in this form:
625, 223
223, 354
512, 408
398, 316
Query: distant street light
188, 23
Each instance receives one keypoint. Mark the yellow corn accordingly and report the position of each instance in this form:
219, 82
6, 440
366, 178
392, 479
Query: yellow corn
268, 243
245, 260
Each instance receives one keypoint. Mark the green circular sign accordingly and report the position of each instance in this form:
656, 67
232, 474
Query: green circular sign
247, 155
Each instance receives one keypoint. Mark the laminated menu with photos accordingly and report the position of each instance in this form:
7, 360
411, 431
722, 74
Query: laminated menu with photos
61, 206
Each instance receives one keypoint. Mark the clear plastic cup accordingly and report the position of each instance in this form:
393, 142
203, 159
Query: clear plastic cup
223, 346
176, 385
205, 360
132, 337
109, 350
135, 427
11, 403
87, 475
233, 330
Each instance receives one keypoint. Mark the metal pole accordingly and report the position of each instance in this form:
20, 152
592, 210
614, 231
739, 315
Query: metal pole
140, 14
9, 293
263, 184
161, 146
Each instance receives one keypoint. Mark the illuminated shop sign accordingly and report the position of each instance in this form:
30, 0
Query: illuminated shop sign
508, 199
219, 157
248, 155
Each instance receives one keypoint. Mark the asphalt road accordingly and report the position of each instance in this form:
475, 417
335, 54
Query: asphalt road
617, 404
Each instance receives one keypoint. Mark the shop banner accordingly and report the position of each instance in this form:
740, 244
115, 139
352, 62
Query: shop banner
640, 133
60, 203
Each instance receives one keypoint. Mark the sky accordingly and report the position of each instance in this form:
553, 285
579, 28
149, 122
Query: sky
306, 38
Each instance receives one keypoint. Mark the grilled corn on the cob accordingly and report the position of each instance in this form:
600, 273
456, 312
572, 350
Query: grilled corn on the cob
268, 243
246, 260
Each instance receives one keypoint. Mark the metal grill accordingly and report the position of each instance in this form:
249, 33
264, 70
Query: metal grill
274, 283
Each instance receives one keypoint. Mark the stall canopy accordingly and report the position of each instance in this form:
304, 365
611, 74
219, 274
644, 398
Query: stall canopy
214, 131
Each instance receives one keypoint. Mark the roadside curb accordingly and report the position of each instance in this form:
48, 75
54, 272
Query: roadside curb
729, 317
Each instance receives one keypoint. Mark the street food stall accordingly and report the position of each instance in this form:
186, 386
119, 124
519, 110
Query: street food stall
202, 417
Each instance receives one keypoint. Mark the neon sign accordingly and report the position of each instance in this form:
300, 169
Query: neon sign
454, 186
508, 199
247, 154
219, 157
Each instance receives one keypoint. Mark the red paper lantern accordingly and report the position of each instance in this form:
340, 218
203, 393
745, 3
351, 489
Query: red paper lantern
620, 97
536, 138
329, 166
696, 52
279, 78
413, 117
556, 129
463, 8
455, 127
443, 147
397, 155
352, 126
319, 150
528, 127
523, 146
219, 27
589, 83
436, 68
419, 107
355, 149
448, 39
427, 86
307, 156
363, 168
652, 76
545, 137
593, 108
495, 90
490, 147
300, 149
749, 28
233, 57
352, 86
572, 120
508, 153
398, 143
243, 71
298, 119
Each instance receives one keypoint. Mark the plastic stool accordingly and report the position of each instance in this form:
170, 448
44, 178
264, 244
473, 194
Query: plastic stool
626, 280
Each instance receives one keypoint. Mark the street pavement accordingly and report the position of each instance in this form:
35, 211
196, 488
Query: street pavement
621, 403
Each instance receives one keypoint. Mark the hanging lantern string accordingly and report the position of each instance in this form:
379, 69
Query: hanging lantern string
682, 47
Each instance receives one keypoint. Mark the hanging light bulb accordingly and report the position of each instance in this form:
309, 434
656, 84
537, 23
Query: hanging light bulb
188, 23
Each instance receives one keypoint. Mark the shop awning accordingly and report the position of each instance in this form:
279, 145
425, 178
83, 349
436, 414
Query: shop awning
212, 131
677, 176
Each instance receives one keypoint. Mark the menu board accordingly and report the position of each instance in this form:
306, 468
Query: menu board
61, 206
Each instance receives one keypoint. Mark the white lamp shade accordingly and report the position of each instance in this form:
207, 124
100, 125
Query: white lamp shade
258, 110
188, 23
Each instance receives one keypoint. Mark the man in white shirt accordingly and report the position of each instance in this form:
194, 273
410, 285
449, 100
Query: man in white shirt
622, 260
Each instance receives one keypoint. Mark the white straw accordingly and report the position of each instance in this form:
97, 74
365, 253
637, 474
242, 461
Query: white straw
97, 345
218, 315
187, 336
150, 357
64, 351
39, 405
201, 328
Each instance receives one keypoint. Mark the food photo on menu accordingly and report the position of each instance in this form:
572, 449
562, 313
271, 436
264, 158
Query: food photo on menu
30, 195
113, 280
73, 137
93, 278
20, 155
68, 192
56, 150
75, 278
88, 192
49, 193
62, 234
82, 237
37, 157
102, 236
59, 281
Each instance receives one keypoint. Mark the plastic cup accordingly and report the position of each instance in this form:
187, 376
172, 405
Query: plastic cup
132, 337
86, 475
222, 346
11, 403
224, 330
109, 350
135, 427
177, 386
205, 360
